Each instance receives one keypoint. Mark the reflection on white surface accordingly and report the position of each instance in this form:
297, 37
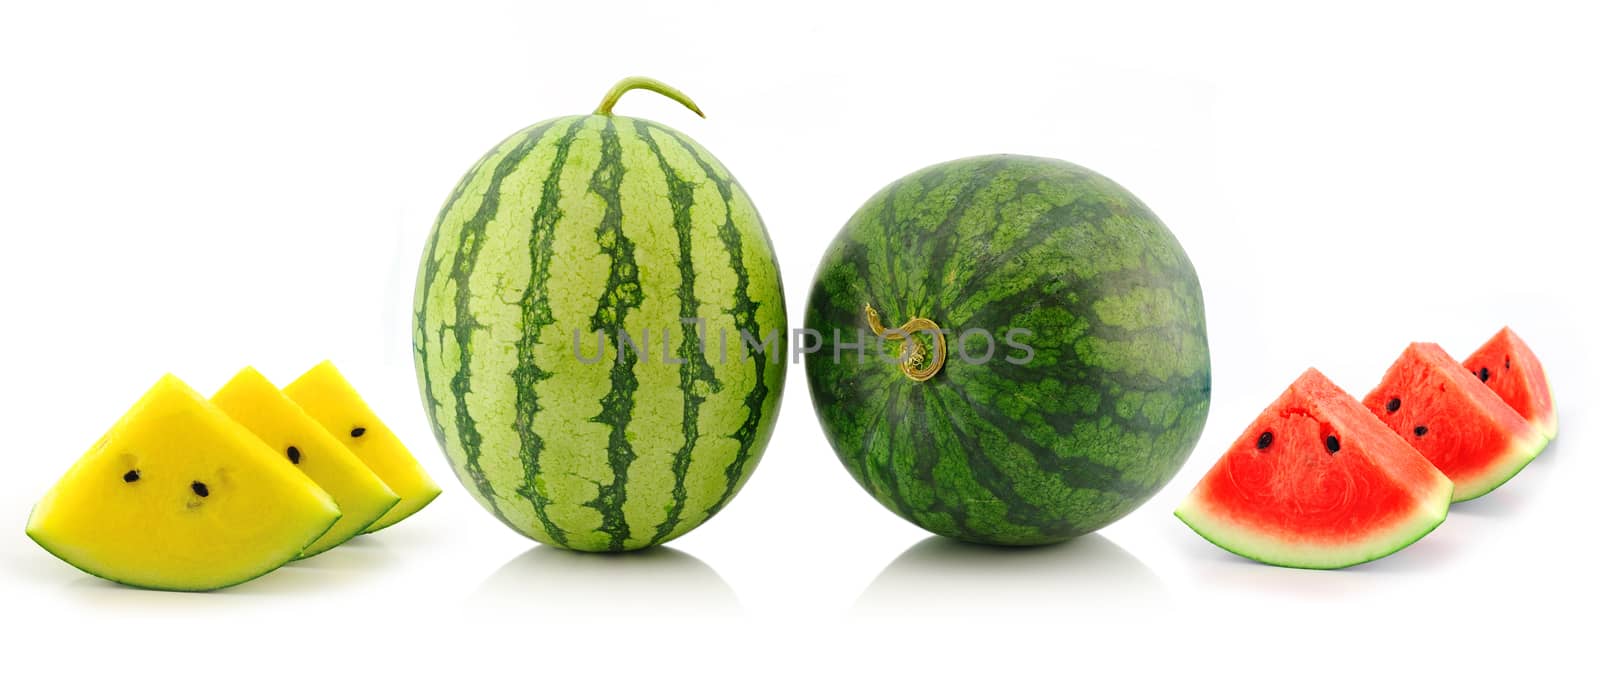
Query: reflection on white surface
1518, 493
942, 576
336, 571
360, 559
107, 597
652, 582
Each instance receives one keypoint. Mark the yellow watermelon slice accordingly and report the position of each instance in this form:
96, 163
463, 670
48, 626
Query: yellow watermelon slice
176, 496
253, 401
325, 395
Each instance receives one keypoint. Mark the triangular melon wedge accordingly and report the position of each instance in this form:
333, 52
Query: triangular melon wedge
325, 395
1317, 482
176, 496
253, 401
1508, 367
1454, 420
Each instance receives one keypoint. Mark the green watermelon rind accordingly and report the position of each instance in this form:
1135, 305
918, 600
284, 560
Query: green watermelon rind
1521, 452
357, 532
1028, 452
617, 223
271, 566
380, 523
1246, 543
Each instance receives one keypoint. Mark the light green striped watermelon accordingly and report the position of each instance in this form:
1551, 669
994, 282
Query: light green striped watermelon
1076, 376
575, 228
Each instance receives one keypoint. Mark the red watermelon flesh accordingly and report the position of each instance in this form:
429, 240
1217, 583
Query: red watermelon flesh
1317, 482
1448, 415
1508, 366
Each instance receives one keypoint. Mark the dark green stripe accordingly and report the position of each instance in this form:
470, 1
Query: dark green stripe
872, 425
897, 306
430, 271
1059, 223
934, 255
998, 315
466, 258
1000, 378
926, 454
1078, 470
536, 315
911, 255
695, 368
1018, 511
744, 318
623, 294
888, 477
946, 256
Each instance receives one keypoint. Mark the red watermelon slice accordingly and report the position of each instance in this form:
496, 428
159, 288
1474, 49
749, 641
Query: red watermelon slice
1460, 425
1508, 366
1317, 482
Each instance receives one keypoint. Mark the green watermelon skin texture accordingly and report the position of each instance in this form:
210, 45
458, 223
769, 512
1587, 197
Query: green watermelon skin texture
599, 223
1101, 417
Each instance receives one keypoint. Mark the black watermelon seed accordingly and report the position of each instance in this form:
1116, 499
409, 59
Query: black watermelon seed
1264, 440
1483, 374
1332, 443
357, 432
131, 476
1508, 362
294, 455
1420, 430
200, 489
1394, 404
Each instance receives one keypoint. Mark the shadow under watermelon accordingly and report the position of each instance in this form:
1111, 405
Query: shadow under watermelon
1514, 496
337, 571
938, 575
654, 582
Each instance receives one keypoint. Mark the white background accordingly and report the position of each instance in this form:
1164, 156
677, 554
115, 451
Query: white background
191, 188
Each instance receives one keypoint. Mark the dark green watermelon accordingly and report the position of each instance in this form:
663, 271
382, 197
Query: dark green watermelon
1098, 378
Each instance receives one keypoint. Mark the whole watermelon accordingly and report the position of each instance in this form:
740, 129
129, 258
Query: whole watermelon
600, 331
1071, 378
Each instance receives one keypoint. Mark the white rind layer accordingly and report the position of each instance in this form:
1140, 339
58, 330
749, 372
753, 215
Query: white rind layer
1549, 425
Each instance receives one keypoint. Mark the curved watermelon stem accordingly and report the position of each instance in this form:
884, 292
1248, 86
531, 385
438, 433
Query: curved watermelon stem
643, 83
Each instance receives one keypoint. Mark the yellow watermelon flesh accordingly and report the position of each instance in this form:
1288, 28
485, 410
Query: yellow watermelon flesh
176, 496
